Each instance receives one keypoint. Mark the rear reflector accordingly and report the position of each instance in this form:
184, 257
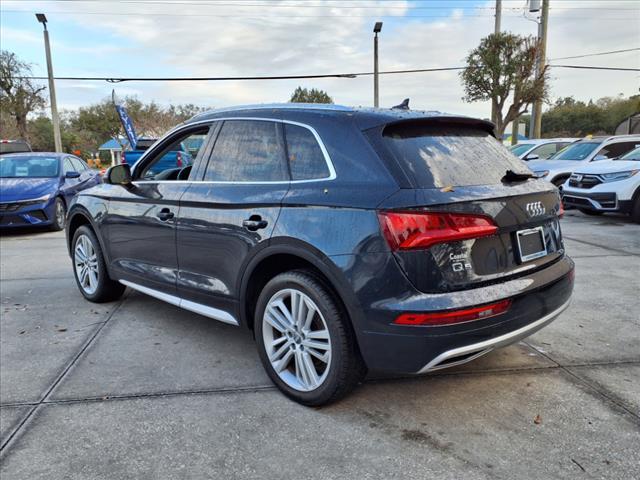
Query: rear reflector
406, 231
450, 317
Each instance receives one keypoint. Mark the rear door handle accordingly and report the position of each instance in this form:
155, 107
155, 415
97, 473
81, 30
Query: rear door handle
165, 214
254, 222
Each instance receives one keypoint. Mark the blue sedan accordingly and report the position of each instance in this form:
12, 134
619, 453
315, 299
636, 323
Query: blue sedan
36, 188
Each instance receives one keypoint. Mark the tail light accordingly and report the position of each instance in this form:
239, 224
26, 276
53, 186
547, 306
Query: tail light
123, 158
450, 317
407, 231
179, 159
561, 209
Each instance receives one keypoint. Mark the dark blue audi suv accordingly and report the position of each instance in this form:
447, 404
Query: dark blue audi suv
345, 239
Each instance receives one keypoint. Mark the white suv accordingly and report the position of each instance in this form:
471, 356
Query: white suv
578, 155
607, 186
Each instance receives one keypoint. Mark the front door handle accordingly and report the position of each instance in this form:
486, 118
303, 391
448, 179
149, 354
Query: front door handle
254, 222
165, 214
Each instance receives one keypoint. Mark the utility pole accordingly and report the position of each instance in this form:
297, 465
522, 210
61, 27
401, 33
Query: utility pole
496, 31
376, 93
52, 88
535, 125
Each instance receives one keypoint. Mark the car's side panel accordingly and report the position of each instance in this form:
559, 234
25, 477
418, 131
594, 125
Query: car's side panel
212, 241
141, 240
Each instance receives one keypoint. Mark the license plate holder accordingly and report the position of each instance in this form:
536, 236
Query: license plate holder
531, 244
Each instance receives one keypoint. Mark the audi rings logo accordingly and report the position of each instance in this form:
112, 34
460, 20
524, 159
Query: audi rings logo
535, 209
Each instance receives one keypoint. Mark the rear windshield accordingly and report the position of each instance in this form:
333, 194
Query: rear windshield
438, 157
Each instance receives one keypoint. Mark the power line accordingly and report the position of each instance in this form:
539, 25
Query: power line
298, 77
596, 54
588, 67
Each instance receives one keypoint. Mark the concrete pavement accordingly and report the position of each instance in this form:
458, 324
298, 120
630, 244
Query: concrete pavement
141, 389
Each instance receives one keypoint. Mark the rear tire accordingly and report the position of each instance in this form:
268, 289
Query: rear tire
59, 215
592, 213
305, 341
90, 269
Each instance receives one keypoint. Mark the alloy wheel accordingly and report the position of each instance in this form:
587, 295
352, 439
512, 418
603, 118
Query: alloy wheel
86, 263
60, 213
297, 340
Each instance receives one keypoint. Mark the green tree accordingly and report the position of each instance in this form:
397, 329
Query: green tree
19, 96
574, 118
502, 69
303, 95
41, 136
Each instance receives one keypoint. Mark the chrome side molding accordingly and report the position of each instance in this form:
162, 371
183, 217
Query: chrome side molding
471, 352
204, 310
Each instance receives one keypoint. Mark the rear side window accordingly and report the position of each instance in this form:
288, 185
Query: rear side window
248, 151
306, 160
442, 156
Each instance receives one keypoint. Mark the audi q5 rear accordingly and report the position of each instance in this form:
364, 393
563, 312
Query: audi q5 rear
345, 239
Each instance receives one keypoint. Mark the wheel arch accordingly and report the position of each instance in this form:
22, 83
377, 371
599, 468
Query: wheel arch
292, 255
78, 217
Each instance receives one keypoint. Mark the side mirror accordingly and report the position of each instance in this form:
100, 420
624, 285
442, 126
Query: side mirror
118, 175
597, 158
72, 174
532, 156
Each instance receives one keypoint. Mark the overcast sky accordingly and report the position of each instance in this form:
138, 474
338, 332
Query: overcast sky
269, 37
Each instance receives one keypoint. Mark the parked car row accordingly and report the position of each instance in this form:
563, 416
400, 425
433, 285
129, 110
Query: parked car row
595, 174
606, 186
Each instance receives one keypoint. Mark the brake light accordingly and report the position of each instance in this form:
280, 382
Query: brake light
179, 159
450, 317
561, 210
406, 231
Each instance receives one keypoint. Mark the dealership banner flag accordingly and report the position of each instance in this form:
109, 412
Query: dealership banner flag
125, 119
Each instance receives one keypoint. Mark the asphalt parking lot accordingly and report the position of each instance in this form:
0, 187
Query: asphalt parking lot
141, 389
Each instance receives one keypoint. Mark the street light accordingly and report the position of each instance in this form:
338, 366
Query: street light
376, 30
52, 88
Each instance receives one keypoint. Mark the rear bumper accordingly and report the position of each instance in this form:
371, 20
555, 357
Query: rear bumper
470, 352
537, 299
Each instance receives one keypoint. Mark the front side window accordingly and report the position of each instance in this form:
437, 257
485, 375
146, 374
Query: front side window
248, 151
78, 164
306, 160
68, 166
544, 151
175, 160
520, 148
28, 167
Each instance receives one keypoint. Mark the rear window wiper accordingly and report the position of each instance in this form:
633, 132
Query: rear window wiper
512, 176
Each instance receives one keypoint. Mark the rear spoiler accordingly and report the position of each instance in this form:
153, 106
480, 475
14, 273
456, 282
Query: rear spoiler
447, 120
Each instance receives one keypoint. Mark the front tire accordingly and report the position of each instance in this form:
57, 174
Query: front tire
90, 270
305, 341
59, 215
